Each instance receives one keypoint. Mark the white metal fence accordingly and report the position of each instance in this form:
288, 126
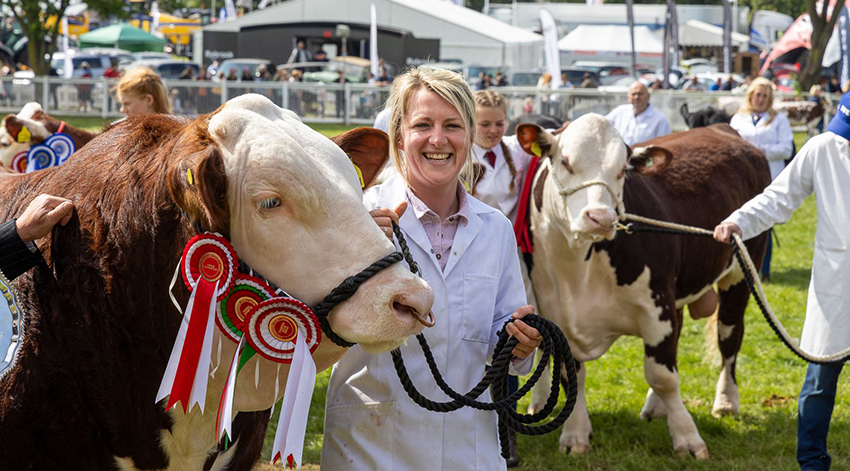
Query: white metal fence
331, 103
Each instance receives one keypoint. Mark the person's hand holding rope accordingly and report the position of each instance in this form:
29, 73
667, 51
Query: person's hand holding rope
528, 338
385, 217
723, 232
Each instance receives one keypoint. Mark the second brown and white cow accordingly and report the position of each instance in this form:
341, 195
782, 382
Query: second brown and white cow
599, 284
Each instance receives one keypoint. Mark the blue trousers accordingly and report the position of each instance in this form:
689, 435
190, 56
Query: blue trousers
817, 399
765, 265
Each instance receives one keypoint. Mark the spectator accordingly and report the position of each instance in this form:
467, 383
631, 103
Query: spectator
834, 86
638, 121
691, 84
548, 100
528, 105
141, 91
320, 56
340, 94
565, 82
231, 76
816, 97
433, 123
826, 330
263, 74
482, 81
84, 89
300, 54
587, 81
384, 78
500, 80
728, 85
112, 71
716, 86
18, 252
247, 76
296, 96
213, 68
762, 126
657, 84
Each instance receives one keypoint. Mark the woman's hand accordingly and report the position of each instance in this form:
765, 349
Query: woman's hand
723, 232
384, 218
528, 338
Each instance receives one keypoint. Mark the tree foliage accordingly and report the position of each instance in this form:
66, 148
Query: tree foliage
822, 28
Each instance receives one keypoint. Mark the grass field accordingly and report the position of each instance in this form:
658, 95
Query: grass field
762, 437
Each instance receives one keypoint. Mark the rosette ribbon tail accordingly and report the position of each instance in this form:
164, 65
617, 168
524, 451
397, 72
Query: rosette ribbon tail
185, 378
292, 424
224, 419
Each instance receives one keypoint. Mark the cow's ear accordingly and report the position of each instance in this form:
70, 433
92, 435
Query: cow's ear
199, 186
649, 160
368, 149
13, 125
529, 134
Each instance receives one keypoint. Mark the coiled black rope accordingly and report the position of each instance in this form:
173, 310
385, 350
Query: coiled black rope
555, 346
736, 250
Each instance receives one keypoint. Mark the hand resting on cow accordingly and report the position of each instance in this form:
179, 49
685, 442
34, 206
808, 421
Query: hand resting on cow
18, 253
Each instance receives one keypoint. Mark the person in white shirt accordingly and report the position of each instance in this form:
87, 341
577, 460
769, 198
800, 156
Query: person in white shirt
382, 121
762, 126
504, 163
638, 121
821, 167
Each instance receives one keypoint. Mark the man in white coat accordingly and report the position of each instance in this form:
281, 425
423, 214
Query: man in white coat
638, 121
822, 167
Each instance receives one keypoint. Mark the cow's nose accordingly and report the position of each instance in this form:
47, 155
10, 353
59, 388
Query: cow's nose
600, 218
414, 304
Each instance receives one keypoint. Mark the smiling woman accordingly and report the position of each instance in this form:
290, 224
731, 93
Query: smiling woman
466, 252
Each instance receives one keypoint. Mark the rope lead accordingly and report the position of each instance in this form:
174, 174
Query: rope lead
555, 346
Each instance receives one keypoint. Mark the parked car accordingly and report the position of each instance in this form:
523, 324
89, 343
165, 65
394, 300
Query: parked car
526, 78
355, 70
608, 72
473, 72
576, 75
239, 65
699, 65
99, 59
167, 69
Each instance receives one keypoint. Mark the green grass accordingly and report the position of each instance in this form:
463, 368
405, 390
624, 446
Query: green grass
762, 437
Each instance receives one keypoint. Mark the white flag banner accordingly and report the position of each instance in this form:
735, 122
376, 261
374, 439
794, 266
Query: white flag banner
222, 15
68, 65
154, 18
263, 4
292, 423
551, 54
231, 10
373, 44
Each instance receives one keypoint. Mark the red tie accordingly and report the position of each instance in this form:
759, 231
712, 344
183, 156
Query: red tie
491, 158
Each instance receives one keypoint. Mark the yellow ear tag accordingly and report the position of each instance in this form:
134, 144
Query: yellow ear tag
189, 176
536, 150
359, 174
24, 136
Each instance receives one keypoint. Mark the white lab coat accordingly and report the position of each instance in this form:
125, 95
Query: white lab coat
370, 422
494, 188
643, 127
822, 166
775, 139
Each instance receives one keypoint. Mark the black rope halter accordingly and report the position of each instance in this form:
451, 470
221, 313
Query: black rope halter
555, 346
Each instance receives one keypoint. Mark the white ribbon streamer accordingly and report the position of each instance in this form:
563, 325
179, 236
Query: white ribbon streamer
292, 424
202, 374
225, 412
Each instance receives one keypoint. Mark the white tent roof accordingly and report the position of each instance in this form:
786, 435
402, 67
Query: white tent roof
464, 34
700, 33
610, 38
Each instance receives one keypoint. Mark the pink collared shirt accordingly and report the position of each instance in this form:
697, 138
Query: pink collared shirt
441, 234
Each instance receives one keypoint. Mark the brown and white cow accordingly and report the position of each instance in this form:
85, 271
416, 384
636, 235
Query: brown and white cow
598, 284
40, 126
101, 325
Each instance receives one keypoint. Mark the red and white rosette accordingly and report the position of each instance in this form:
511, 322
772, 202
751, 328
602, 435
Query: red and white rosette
208, 266
273, 325
233, 310
19, 162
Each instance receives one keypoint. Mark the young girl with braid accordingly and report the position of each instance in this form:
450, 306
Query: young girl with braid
504, 164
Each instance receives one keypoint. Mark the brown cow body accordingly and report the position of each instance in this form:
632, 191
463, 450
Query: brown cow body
101, 324
599, 285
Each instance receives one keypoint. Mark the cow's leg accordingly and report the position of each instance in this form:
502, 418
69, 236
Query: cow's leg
654, 407
575, 437
540, 391
730, 333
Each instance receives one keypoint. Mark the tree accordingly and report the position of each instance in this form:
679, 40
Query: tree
40, 23
822, 28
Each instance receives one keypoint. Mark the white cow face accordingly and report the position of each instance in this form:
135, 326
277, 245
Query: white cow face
294, 203
10, 143
589, 164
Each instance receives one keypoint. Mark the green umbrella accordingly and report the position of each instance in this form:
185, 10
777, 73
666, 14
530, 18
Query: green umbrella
122, 36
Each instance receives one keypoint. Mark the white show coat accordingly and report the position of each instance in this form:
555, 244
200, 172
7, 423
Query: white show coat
370, 422
775, 139
494, 188
643, 127
822, 166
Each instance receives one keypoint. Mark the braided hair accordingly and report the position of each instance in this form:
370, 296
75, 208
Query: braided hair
494, 99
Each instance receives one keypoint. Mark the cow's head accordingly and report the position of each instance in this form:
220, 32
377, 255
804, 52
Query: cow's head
589, 164
19, 132
290, 201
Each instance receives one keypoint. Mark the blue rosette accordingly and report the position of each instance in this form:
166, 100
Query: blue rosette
41, 157
62, 145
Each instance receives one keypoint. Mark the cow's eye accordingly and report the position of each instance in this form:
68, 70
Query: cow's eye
270, 203
566, 163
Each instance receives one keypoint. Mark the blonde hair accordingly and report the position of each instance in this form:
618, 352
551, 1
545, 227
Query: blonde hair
141, 81
494, 99
449, 86
815, 89
747, 107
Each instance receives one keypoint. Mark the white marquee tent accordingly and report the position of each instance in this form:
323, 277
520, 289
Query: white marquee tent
464, 34
610, 43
